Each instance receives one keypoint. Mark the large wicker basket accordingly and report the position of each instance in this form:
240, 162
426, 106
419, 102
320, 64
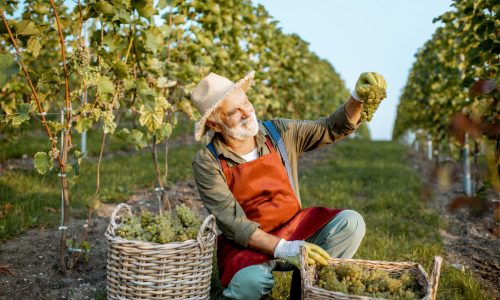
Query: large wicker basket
143, 270
310, 277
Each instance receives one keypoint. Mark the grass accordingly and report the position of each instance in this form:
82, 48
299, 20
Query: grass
29, 200
375, 179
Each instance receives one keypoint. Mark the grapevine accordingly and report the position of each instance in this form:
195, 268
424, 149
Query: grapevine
161, 229
354, 279
117, 55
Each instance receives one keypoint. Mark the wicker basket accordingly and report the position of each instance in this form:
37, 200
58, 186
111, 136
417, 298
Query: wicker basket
309, 277
143, 270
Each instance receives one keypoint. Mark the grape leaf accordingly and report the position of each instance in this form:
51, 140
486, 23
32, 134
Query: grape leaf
34, 46
134, 137
153, 39
26, 27
22, 115
42, 162
104, 85
151, 116
105, 8
8, 68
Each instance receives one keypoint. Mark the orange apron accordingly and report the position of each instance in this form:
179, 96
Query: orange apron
263, 190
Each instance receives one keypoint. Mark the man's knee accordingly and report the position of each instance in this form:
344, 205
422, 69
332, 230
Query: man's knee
353, 223
251, 283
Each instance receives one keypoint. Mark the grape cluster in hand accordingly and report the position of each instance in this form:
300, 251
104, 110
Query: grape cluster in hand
182, 226
354, 279
373, 95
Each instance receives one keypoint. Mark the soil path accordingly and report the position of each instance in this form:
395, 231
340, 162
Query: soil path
471, 242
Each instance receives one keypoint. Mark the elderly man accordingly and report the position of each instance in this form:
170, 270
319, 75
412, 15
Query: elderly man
247, 177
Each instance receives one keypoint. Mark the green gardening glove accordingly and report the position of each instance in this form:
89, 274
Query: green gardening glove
290, 251
370, 89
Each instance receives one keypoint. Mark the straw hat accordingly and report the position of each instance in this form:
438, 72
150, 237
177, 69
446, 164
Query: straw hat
207, 96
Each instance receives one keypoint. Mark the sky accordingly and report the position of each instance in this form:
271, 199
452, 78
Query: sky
358, 36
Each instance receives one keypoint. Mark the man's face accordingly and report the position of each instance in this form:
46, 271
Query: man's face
237, 116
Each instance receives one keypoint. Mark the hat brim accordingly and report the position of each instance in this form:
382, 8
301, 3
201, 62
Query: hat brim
200, 127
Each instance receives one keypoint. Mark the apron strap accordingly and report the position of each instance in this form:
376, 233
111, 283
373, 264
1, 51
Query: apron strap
276, 136
211, 147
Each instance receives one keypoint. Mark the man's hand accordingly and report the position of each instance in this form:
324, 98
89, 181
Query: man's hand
370, 89
290, 251
367, 85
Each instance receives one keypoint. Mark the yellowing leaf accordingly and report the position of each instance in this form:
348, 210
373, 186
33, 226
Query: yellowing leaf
162, 102
34, 46
151, 116
26, 27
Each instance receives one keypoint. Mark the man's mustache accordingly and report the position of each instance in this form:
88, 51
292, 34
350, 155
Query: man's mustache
247, 120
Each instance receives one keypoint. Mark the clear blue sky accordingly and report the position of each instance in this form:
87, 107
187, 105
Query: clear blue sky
364, 35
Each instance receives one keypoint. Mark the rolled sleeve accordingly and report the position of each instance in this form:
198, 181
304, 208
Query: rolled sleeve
342, 122
220, 201
306, 135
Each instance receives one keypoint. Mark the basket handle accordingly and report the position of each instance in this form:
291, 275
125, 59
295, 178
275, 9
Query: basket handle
436, 271
207, 225
303, 272
117, 209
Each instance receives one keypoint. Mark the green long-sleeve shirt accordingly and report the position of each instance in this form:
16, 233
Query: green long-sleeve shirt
298, 136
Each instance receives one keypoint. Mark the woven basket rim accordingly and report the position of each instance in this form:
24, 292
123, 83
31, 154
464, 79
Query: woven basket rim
208, 224
117, 239
429, 284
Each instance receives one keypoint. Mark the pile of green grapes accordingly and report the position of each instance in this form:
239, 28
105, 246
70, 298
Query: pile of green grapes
182, 226
354, 279
373, 95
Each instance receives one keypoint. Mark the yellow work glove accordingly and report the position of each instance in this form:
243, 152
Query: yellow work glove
370, 89
290, 251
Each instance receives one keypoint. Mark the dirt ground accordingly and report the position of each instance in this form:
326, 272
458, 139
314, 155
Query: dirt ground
471, 241
28, 267
29, 261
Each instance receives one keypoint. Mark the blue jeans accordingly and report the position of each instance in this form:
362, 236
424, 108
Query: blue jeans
341, 238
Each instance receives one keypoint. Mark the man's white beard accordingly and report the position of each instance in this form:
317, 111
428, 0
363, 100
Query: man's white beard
245, 129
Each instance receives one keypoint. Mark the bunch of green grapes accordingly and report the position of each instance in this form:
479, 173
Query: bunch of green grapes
373, 95
188, 223
328, 280
165, 232
161, 229
186, 216
82, 55
129, 229
354, 279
